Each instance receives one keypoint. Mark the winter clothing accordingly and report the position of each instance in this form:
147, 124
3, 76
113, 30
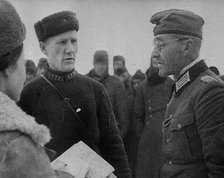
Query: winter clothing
100, 56
138, 75
12, 33
119, 58
91, 103
131, 137
194, 126
177, 21
150, 106
118, 98
56, 24
22, 140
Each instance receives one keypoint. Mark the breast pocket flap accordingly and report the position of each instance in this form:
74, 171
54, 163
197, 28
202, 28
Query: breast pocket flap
182, 121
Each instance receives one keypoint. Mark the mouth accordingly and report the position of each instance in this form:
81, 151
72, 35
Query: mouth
69, 59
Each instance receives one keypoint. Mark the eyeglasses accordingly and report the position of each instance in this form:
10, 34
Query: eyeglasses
161, 44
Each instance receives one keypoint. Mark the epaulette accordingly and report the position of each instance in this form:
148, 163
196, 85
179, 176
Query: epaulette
208, 79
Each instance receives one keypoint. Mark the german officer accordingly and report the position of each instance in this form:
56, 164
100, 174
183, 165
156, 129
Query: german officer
193, 129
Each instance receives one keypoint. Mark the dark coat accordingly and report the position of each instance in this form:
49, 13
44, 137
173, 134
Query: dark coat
194, 127
131, 137
118, 98
90, 101
150, 107
21, 144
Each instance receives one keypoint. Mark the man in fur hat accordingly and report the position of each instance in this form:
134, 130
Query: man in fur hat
193, 128
114, 87
73, 106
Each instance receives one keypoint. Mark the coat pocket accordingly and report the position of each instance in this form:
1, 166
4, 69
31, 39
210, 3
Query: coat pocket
184, 127
182, 121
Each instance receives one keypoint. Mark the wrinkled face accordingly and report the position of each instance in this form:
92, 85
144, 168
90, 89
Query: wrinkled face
118, 64
136, 83
170, 55
61, 51
16, 78
100, 68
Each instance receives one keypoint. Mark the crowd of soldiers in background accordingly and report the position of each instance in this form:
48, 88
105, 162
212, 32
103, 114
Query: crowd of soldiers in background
139, 104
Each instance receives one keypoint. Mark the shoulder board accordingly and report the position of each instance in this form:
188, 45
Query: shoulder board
208, 79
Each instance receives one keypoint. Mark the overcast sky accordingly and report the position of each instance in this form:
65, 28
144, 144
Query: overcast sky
122, 27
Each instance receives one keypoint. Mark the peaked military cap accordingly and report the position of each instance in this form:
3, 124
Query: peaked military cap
177, 21
56, 24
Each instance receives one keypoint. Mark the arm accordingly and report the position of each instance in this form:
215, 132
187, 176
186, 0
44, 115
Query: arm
111, 145
24, 158
210, 121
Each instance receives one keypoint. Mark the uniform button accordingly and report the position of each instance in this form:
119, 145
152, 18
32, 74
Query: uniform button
150, 115
170, 162
150, 107
147, 123
167, 140
179, 126
170, 116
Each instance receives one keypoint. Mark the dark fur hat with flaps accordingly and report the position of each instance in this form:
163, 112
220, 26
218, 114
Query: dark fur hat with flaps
56, 24
12, 29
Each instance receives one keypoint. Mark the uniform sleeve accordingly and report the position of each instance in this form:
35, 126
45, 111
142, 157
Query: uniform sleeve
24, 158
121, 109
210, 121
111, 145
139, 114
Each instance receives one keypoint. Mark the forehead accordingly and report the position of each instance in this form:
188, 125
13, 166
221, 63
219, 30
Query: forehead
72, 34
163, 37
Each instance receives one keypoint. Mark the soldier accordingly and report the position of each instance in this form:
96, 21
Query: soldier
193, 129
73, 106
114, 87
152, 96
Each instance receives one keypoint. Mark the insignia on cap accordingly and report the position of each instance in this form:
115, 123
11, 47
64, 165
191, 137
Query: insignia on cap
208, 79
182, 81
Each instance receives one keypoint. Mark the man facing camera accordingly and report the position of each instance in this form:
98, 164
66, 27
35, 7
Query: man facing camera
73, 106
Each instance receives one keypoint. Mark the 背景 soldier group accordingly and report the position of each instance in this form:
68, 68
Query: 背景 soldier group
146, 125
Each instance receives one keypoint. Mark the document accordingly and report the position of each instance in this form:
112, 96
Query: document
83, 162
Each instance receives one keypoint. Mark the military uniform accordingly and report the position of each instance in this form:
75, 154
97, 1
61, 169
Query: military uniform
194, 126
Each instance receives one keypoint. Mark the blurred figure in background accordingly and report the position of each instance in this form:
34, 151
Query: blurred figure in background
137, 79
30, 70
114, 87
150, 106
118, 63
41, 66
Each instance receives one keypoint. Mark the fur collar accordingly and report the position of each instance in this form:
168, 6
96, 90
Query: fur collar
13, 118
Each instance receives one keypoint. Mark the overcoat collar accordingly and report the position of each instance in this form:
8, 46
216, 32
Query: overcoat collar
189, 76
12, 118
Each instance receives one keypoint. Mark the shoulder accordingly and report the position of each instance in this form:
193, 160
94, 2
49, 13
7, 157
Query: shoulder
86, 81
33, 86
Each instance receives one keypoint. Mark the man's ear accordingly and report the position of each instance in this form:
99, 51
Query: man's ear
43, 48
7, 72
189, 46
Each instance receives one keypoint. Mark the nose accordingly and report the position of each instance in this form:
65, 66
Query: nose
70, 48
